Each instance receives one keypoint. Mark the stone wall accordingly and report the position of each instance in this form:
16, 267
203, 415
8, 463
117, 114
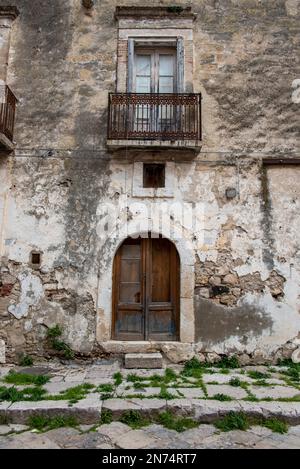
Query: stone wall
244, 296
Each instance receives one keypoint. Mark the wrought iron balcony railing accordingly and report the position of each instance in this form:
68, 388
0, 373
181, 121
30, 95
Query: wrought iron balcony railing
7, 112
139, 116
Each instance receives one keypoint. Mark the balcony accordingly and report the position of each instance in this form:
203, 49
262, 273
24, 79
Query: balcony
7, 117
154, 120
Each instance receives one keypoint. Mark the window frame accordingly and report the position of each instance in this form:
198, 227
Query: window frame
155, 54
177, 44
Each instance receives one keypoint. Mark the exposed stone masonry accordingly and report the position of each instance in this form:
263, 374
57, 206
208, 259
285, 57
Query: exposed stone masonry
219, 282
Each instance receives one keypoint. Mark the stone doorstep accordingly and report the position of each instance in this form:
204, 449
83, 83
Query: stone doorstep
88, 411
143, 360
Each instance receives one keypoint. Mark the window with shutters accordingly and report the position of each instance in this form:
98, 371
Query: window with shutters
154, 99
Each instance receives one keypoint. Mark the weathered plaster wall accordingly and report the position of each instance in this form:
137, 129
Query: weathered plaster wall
244, 251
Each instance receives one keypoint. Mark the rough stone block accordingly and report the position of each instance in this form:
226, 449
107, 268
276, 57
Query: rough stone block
145, 406
28, 440
86, 411
143, 360
196, 435
178, 352
113, 430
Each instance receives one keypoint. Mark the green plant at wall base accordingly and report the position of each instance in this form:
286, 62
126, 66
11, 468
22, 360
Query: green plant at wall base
25, 360
61, 346
258, 375
52, 335
228, 362
193, 368
55, 331
293, 369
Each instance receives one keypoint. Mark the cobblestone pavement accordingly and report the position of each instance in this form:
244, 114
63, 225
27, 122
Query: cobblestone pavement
119, 435
267, 392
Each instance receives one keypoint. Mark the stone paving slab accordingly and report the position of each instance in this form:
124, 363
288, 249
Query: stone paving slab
225, 379
196, 435
289, 411
160, 432
191, 393
69, 438
143, 373
60, 386
274, 392
28, 440
231, 391
147, 391
140, 438
15, 428
86, 411
145, 406
114, 430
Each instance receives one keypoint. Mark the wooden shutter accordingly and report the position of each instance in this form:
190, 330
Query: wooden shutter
180, 65
130, 65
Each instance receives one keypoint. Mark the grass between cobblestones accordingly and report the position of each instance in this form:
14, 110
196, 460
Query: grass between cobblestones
136, 420
23, 379
42, 423
168, 384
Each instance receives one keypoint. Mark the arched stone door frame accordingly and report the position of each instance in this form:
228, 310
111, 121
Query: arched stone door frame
105, 289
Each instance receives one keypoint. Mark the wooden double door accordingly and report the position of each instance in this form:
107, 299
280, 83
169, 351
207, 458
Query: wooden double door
146, 290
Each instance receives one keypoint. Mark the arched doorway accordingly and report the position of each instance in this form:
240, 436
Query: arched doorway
146, 290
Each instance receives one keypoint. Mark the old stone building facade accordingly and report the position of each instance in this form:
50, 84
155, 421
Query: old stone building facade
113, 140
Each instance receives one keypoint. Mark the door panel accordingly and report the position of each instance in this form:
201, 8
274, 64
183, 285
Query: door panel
130, 325
163, 293
161, 323
146, 290
128, 292
160, 270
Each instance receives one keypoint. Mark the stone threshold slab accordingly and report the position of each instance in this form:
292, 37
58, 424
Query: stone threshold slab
88, 411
